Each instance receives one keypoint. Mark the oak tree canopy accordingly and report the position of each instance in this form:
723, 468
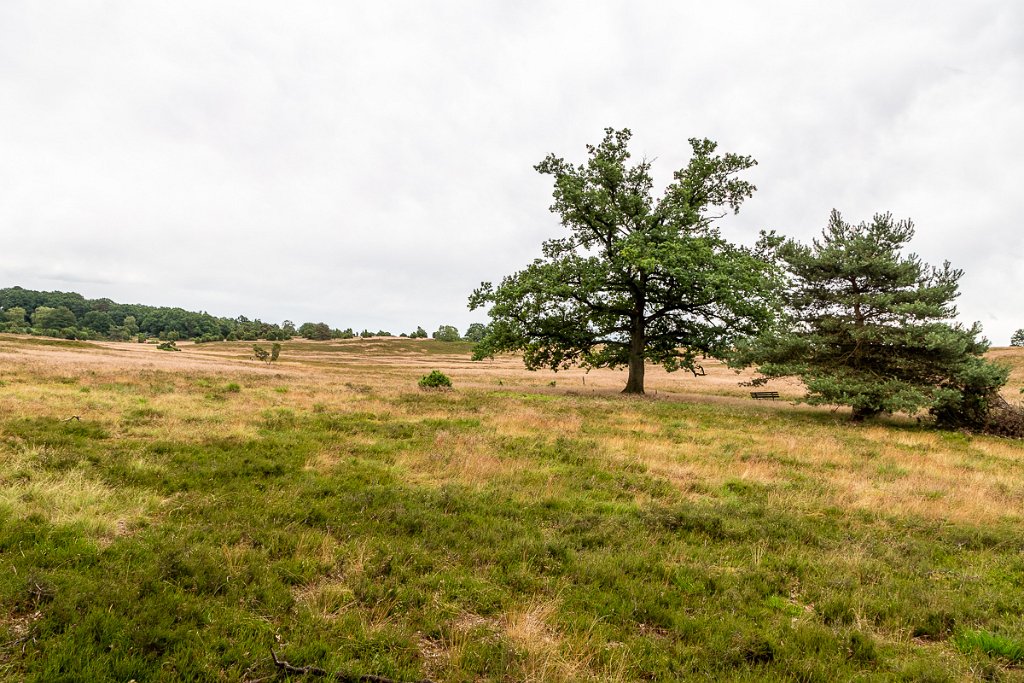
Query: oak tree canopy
636, 278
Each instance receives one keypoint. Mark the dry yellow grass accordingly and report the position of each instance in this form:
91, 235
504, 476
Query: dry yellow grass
870, 468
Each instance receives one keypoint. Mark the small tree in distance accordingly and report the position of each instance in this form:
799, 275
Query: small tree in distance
447, 333
476, 332
1018, 338
260, 353
315, 331
16, 315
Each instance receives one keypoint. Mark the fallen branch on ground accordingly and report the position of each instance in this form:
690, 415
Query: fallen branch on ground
310, 670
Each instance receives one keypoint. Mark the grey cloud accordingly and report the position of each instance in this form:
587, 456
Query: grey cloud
369, 164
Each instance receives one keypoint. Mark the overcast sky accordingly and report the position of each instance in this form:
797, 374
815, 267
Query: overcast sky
368, 164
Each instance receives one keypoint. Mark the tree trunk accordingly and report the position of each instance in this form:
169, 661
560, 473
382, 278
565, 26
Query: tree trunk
635, 383
861, 413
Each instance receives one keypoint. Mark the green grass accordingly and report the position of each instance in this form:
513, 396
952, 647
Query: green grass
49, 341
357, 537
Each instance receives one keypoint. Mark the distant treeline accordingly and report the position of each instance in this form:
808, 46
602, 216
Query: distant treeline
71, 316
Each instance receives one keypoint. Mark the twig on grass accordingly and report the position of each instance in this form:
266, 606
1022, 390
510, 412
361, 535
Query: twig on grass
311, 670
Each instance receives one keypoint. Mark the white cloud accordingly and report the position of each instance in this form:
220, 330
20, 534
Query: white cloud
369, 164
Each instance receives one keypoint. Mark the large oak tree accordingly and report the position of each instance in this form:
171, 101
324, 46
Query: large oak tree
637, 278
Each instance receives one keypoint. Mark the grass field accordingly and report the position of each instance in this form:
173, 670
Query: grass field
174, 516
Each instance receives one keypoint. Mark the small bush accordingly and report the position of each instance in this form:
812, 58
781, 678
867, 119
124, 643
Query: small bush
168, 346
862, 648
435, 380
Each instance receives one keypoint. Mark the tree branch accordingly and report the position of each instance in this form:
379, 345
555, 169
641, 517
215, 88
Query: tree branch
285, 666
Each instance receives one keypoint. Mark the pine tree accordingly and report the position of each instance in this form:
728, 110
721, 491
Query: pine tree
871, 328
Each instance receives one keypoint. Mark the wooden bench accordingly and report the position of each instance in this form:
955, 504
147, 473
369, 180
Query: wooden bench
764, 395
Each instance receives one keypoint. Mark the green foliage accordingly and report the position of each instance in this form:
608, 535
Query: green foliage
15, 314
47, 318
260, 353
637, 279
435, 380
315, 331
869, 327
275, 351
360, 567
447, 333
77, 316
168, 346
993, 645
1018, 338
419, 333
99, 321
970, 399
262, 548
476, 332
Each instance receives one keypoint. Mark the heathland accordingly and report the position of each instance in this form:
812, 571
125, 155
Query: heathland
175, 516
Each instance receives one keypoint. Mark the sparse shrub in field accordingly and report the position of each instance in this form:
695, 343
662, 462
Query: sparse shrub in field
934, 626
141, 416
233, 388
837, 611
862, 648
279, 419
168, 346
435, 380
260, 353
753, 649
1018, 338
275, 351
